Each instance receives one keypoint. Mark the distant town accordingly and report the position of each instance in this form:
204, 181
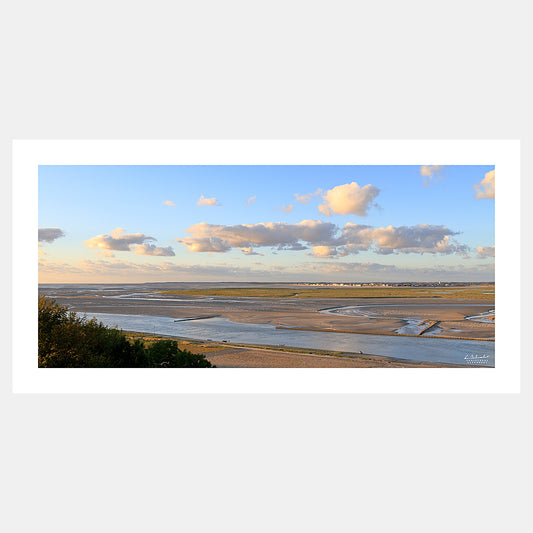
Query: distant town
397, 284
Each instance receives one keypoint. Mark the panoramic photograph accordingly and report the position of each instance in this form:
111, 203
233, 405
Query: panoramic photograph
265, 266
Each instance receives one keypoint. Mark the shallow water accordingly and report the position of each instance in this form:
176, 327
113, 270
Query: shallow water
357, 310
411, 323
482, 317
457, 351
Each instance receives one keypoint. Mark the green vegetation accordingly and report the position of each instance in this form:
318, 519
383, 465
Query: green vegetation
480, 292
67, 340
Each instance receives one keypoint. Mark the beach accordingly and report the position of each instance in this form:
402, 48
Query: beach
387, 317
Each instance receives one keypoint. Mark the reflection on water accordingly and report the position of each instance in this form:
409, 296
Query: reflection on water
455, 351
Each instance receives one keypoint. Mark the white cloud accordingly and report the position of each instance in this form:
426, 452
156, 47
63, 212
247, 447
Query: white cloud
348, 199
485, 188
485, 251
207, 201
431, 173
118, 240
50, 234
127, 242
170, 203
250, 200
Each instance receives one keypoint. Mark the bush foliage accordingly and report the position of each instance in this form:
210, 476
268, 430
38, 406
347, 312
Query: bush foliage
68, 340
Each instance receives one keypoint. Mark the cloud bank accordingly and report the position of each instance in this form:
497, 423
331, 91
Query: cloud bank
170, 203
50, 234
127, 242
348, 199
100, 270
485, 188
325, 238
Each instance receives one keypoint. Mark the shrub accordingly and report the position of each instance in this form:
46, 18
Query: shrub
167, 354
69, 340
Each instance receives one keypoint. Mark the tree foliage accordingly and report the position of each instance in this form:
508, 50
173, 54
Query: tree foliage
68, 340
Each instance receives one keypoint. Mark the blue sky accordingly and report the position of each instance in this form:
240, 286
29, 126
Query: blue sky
390, 205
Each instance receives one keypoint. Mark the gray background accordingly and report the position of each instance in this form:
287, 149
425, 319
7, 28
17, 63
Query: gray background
277, 69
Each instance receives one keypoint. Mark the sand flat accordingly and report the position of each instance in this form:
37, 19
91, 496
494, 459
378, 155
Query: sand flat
448, 313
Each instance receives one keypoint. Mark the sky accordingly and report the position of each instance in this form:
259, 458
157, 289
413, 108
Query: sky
107, 224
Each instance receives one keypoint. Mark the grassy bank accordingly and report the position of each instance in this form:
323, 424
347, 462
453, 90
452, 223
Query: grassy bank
478, 292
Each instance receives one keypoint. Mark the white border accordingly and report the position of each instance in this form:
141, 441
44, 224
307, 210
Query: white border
28, 155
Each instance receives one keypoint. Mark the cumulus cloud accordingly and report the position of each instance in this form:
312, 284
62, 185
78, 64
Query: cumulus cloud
485, 251
348, 199
485, 188
170, 203
422, 238
431, 173
218, 238
326, 239
250, 200
118, 240
207, 201
127, 242
50, 234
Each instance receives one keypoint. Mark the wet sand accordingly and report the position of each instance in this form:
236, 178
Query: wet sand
388, 315
449, 314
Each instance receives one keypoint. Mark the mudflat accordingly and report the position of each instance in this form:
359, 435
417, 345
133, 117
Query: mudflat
386, 314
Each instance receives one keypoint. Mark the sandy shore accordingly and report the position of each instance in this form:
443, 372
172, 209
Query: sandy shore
236, 356
386, 316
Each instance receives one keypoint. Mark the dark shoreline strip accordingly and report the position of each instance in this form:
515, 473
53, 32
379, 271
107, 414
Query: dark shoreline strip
202, 317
